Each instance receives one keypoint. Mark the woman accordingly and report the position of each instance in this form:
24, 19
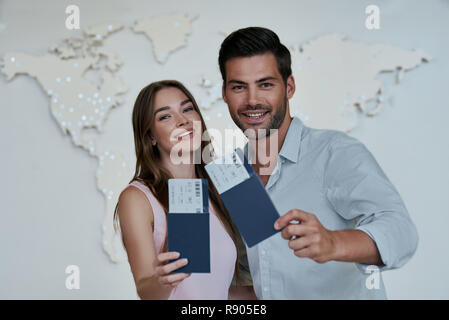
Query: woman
166, 118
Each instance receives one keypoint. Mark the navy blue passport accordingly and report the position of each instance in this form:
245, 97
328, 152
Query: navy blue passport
188, 232
249, 205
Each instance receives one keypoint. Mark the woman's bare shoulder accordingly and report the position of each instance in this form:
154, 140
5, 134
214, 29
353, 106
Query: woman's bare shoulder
133, 203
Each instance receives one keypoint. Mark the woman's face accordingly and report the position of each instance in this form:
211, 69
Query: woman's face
176, 124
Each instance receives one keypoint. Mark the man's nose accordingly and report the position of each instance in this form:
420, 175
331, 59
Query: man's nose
252, 97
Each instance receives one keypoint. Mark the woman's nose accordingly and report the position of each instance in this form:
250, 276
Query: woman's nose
181, 120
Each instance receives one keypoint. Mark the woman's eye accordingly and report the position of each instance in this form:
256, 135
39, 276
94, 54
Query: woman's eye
188, 109
164, 117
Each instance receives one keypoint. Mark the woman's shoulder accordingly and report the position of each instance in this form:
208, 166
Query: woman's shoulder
134, 198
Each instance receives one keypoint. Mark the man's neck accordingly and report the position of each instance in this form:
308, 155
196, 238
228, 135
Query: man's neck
266, 150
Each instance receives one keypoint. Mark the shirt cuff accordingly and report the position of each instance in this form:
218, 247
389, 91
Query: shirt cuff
381, 242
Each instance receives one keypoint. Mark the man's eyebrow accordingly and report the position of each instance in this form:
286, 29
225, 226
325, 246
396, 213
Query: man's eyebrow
237, 81
265, 79
257, 81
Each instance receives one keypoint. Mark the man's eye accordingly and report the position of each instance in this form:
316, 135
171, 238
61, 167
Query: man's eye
237, 88
266, 85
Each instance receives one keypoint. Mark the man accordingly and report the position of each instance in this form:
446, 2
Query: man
341, 214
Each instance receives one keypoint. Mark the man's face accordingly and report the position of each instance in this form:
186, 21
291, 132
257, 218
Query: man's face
255, 93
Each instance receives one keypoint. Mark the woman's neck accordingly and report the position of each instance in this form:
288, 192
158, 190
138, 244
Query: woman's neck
179, 171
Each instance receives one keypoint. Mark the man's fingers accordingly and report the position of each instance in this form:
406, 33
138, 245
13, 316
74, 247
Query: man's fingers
304, 253
297, 230
294, 214
300, 243
165, 256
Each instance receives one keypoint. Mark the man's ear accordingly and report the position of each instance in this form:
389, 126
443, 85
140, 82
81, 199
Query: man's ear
291, 87
223, 92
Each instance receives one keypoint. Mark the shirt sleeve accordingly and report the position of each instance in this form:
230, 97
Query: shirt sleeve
359, 190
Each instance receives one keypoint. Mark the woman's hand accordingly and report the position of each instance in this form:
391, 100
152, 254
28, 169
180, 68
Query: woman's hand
164, 270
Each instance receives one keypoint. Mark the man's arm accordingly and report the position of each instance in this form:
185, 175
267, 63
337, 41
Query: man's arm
358, 190
310, 239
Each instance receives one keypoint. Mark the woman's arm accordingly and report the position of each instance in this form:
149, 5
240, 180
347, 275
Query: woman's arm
151, 273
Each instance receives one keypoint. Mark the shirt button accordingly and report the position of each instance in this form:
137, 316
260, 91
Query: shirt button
263, 252
265, 289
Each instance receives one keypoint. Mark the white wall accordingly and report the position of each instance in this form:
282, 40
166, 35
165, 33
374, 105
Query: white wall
51, 211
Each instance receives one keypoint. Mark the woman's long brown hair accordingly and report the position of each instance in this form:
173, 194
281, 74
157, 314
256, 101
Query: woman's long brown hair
148, 168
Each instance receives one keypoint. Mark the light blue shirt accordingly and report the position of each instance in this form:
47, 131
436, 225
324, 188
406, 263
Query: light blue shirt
334, 176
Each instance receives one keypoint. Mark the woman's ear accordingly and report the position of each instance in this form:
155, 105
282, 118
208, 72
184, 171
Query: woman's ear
153, 141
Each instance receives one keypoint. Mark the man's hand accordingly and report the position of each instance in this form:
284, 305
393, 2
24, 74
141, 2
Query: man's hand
308, 238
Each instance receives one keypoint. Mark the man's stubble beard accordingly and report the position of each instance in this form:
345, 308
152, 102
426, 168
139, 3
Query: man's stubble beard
275, 121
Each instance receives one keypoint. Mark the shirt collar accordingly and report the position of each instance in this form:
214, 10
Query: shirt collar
292, 141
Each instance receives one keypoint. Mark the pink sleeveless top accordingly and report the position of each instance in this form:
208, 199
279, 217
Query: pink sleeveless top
223, 254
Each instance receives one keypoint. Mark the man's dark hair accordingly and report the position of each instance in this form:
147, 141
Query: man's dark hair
252, 41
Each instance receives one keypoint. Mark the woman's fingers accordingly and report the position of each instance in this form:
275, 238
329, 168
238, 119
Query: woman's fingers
170, 267
173, 279
164, 270
165, 256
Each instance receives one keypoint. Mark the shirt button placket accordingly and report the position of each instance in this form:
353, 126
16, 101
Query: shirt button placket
264, 270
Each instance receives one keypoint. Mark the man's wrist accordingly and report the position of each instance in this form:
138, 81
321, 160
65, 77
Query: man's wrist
338, 246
